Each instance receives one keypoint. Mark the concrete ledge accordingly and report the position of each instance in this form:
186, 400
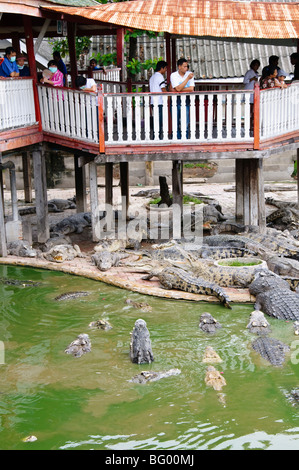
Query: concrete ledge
123, 278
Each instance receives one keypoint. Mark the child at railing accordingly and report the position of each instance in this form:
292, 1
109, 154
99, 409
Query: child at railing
86, 84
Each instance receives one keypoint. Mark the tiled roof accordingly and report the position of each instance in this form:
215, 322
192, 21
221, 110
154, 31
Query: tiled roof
210, 18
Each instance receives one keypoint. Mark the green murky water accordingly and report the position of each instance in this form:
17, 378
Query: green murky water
89, 403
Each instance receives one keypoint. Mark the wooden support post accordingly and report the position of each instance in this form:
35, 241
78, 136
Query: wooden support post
124, 188
239, 181
27, 176
71, 37
250, 198
120, 51
149, 173
80, 185
173, 55
177, 183
109, 183
93, 182
168, 56
3, 247
261, 194
32, 66
41, 200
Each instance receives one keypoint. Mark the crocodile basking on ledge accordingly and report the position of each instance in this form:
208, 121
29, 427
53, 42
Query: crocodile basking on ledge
274, 296
176, 278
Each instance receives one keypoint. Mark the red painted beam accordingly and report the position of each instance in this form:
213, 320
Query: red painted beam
256, 117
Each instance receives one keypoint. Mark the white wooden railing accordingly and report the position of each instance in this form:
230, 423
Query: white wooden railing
217, 116
279, 111
16, 103
69, 112
112, 75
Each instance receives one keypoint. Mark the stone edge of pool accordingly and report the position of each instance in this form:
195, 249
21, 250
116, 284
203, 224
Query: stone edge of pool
120, 277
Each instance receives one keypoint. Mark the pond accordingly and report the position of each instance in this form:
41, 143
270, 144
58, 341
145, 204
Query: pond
89, 402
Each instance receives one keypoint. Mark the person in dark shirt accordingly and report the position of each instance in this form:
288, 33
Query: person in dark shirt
61, 66
8, 67
23, 69
295, 61
273, 60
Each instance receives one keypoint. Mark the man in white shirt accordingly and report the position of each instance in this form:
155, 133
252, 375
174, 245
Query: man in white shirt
182, 81
157, 84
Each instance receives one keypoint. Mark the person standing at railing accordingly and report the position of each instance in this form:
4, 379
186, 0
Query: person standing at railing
61, 66
8, 67
295, 61
56, 77
157, 84
182, 81
273, 61
23, 69
86, 84
269, 80
250, 79
93, 65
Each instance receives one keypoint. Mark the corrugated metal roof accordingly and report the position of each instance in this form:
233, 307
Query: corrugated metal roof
25, 6
208, 58
216, 18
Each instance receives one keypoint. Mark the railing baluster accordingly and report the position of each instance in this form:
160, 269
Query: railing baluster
219, 116
229, 115
110, 118
210, 116
201, 117
137, 119
192, 118
129, 119
147, 118
238, 115
247, 116
174, 118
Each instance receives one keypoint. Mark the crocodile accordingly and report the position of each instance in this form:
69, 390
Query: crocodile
72, 224
61, 253
208, 324
17, 282
105, 260
176, 278
21, 248
282, 204
71, 295
258, 323
274, 296
140, 345
214, 378
210, 356
100, 325
225, 276
253, 240
293, 396
144, 306
81, 345
296, 327
54, 205
271, 349
149, 376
